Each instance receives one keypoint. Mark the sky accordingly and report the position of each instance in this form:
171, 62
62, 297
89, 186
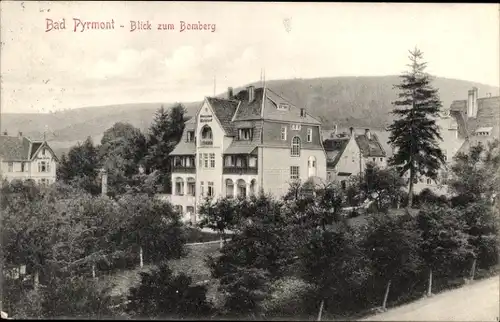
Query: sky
44, 71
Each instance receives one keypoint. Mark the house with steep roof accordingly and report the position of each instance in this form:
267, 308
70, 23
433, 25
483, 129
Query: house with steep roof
22, 158
478, 119
253, 141
348, 154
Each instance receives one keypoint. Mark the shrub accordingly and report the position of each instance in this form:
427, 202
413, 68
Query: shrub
161, 294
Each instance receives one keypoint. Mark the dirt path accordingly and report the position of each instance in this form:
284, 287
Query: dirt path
478, 301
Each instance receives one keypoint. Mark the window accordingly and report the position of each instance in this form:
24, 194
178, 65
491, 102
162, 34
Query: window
190, 136
205, 160
295, 147
329, 176
343, 184
206, 135
191, 188
11, 167
445, 158
44, 182
43, 152
177, 161
429, 181
212, 160
210, 189
309, 135
311, 165
23, 167
229, 188
242, 188
229, 161
381, 159
282, 107
374, 159
43, 166
294, 172
200, 158
188, 162
202, 189
283, 133
252, 162
241, 162
179, 186
296, 127
245, 134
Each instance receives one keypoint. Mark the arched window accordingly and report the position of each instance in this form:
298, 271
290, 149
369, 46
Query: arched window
229, 188
311, 165
206, 135
253, 185
295, 146
242, 188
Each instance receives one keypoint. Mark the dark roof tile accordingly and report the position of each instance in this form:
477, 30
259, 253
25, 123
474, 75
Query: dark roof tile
224, 111
334, 149
370, 147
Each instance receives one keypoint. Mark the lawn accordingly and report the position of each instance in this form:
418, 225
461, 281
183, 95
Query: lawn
193, 265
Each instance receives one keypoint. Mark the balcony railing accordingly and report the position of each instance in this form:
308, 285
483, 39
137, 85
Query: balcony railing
206, 142
239, 170
182, 169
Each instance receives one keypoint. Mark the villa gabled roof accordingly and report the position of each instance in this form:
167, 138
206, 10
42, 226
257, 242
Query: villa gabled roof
224, 110
14, 148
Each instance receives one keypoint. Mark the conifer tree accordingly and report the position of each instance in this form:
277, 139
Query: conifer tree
165, 132
414, 132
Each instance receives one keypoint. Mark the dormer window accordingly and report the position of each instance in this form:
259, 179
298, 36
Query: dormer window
296, 127
245, 134
283, 107
190, 136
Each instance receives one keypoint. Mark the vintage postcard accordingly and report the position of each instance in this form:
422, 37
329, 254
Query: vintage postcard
250, 160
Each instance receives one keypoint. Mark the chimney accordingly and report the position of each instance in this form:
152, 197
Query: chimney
229, 93
488, 94
335, 128
251, 93
472, 102
474, 112
368, 134
351, 130
20, 134
5, 132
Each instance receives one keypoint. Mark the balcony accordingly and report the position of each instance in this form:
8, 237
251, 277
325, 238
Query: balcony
183, 169
239, 170
206, 142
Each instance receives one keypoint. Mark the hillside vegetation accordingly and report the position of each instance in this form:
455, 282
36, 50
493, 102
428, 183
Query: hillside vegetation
346, 101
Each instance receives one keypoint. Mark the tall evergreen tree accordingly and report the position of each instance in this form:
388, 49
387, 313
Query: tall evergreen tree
165, 133
414, 132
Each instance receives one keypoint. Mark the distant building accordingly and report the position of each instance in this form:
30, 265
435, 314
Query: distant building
349, 153
253, 141
478, 119
22, 158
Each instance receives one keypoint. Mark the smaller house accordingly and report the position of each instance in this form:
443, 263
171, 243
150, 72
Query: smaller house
23, 159
348, 154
